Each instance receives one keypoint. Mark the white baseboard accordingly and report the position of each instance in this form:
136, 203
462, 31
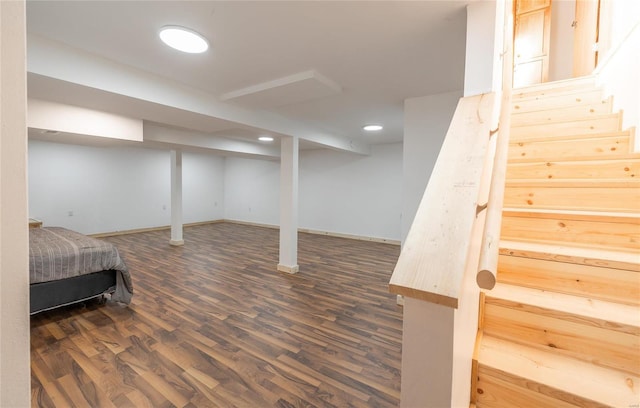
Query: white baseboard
254, 224
318, 232
159, 228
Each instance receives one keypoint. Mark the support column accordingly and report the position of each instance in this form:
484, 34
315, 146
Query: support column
15, 382
289, 205
483, 50
176, 198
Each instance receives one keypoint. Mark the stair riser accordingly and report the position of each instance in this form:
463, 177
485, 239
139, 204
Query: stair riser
595, 148
544, 348
497, 389
562, 114
604, 235
574, 85
592, 340
556, 101
602, 124
588, 169
616, 285
621, 199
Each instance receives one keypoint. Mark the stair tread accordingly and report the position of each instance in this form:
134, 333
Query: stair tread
605, 216
575, 183
577, 305
600, 384
587, 229
623, 132
631, 157
550, 85
571, 109
529, 160
583, 118
552, 168
561, 82
555, 100
588, 110
562, 91
575, 136
627, 260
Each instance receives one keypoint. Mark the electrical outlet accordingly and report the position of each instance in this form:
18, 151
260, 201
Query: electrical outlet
70, 213
164, 206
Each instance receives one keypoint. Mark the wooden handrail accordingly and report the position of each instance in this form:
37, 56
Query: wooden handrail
488, 263
434, 255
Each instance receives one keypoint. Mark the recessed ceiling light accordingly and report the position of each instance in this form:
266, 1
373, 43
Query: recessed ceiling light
372, 128
183, 39
265, 139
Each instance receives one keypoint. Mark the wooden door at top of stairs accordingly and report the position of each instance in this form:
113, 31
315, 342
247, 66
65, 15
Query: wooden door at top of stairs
585, 37
531, 42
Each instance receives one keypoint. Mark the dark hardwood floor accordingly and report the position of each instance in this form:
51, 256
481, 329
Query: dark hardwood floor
213, 324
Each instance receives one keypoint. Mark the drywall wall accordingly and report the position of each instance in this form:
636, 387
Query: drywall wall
124, 188
352, 194
59, 117
119, 188
252, 189
339, 192
202, 187
618, 67
426, 121
483, 48
561, 40
15, 383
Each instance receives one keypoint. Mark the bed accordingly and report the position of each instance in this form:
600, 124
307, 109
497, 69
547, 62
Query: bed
67, 267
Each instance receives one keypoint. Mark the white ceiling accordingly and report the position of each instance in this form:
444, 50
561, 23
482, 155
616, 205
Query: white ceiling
365, 58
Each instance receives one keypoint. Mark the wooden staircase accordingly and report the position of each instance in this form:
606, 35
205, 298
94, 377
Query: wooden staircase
562, 326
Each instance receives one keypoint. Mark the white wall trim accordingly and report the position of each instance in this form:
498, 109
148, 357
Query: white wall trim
253, 224
150, 229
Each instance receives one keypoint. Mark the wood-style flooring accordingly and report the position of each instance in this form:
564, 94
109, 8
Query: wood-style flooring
213, 324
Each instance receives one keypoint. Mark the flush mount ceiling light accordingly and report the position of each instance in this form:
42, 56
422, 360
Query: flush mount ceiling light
372, 128
265, 139
183, 39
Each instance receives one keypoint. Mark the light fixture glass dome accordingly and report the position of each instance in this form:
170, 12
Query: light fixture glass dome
372, 128
183, 39
265, 139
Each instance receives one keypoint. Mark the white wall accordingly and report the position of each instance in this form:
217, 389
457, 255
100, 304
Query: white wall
339, 192
14, 242
563, 13
483, 47
252, 189
82, 121
124, 188
426, 121
351, 194
202, 187
115, 189
617, 70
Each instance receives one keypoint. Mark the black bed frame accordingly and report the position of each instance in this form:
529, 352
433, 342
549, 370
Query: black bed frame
49, 295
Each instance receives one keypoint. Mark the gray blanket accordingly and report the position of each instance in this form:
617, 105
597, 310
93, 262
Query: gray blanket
57, 253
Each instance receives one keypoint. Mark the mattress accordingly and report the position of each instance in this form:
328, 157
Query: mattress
57, 253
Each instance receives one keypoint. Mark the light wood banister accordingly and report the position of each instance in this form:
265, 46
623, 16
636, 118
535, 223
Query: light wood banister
488, 263
434, 255
437, 270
